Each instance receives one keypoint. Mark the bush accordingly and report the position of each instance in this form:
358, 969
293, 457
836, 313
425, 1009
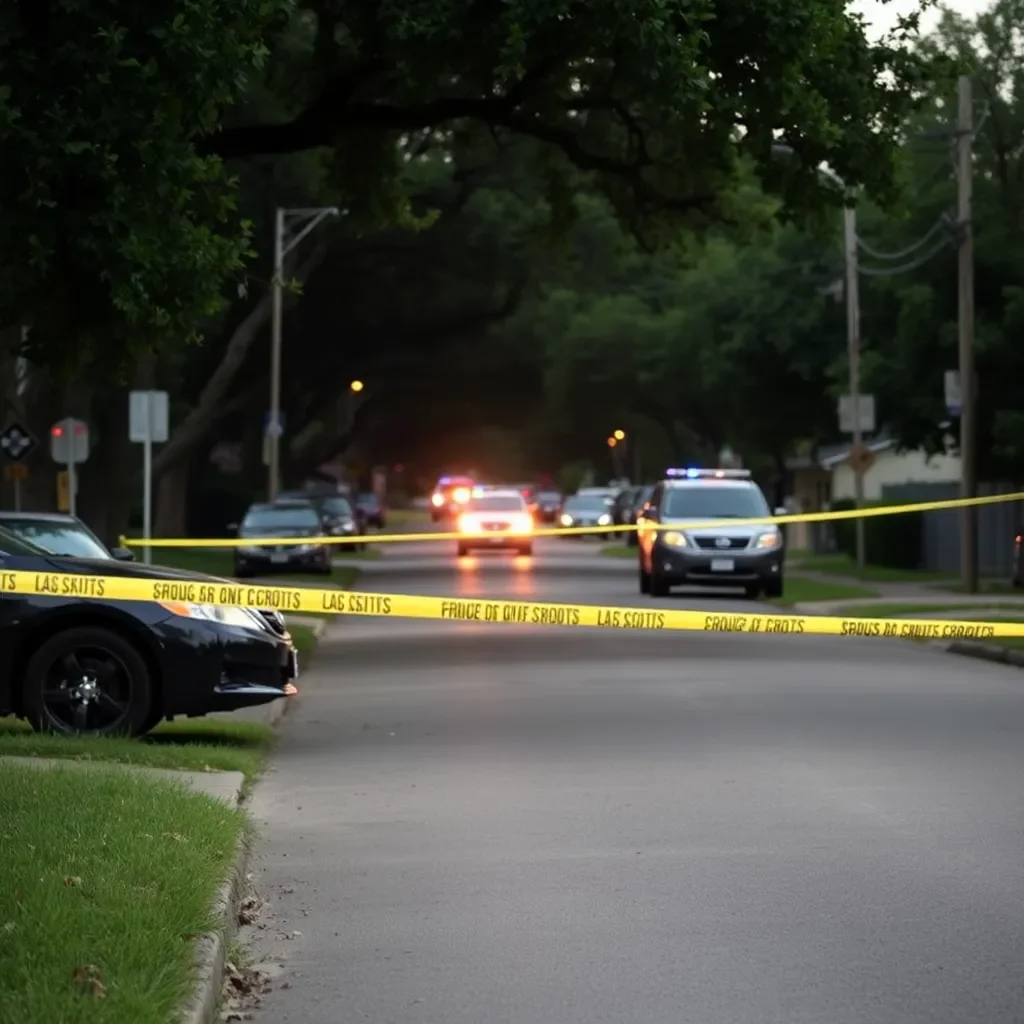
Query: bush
893, 542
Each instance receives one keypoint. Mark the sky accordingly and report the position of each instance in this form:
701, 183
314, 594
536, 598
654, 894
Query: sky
882, 16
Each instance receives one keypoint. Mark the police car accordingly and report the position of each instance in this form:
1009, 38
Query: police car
714, 555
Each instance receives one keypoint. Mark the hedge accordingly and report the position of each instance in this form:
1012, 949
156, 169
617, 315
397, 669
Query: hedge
891, 541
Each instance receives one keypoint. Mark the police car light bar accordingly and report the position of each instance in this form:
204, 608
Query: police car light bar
693, 473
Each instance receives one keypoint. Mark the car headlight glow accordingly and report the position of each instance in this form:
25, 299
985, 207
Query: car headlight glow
674, 539
565, 520
462, 495
469, 524
605, 520
241, 618
769, 540
437, 500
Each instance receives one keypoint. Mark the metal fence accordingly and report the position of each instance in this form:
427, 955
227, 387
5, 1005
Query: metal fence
940, 540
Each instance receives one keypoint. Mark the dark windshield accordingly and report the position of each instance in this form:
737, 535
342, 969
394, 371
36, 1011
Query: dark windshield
497, 503
587, 503
298, 518
337, 506
715, 501
10, 544
57, 538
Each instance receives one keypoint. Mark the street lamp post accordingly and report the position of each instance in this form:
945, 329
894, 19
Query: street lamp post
302, 222
852, 339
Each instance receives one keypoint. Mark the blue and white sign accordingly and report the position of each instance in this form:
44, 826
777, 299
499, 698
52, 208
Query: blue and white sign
272, 429
951, 387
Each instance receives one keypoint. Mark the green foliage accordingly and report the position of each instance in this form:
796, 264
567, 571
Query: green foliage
117, 235
892, 542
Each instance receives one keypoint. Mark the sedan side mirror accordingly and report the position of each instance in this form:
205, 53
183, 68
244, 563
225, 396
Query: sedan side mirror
123, 554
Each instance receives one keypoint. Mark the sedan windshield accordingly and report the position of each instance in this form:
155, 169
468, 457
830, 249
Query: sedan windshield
337, 507
588, 503
282, 519
714, 501
498, 503
57, 538
12, 544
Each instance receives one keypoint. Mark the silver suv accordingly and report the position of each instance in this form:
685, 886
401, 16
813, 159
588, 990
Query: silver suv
716, 555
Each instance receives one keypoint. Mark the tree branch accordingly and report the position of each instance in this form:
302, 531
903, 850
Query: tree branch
212, 406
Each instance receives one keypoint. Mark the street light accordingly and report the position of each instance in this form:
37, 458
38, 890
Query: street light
302, 222
852, 337
356, 386
619, 435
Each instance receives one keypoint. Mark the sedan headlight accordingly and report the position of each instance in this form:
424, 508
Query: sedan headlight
247, 550
605, 520
240, 618
565, 520
769, 540
344, 527
674, 539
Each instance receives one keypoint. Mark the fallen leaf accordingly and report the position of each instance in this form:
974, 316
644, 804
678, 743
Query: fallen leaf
86, 978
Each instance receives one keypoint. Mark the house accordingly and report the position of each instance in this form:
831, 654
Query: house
818, 479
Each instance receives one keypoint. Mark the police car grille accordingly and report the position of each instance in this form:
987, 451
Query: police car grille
715, 543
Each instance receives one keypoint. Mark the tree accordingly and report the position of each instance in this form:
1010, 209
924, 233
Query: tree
659, 101
118, 235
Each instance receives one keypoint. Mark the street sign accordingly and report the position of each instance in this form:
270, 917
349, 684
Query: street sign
148, 417
16, 442
16, 472
69, 442
861, 458
951, 390
866, 408
272, 429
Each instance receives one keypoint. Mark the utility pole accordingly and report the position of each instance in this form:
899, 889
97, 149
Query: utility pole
853, 358
283, 245
965, 302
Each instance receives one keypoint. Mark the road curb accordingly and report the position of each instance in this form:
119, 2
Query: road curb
202, 1007
986, 652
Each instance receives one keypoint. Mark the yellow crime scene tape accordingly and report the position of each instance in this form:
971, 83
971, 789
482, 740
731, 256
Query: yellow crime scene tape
535, 613
574, 531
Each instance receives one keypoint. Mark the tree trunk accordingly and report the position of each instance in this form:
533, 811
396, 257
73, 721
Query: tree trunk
170, 518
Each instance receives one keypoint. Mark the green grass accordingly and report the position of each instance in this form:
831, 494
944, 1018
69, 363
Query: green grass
304, 639
198, 744
618, 551
108, 880
798, 590
842, 565
404, 517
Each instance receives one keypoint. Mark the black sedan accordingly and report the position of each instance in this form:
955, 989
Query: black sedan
282, 519
71, 664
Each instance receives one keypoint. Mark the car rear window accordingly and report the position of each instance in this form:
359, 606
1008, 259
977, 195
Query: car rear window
289, 518
498, 503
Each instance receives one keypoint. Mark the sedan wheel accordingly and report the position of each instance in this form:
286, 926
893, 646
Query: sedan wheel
88, 680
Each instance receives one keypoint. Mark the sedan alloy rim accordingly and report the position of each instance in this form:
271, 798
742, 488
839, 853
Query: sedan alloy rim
87, 689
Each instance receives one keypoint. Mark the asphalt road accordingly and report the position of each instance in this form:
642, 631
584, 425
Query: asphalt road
471, 824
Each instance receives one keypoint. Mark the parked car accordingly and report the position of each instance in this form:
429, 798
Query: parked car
61, 534
640, 498
339, 515
497, 518
450, 497
281, 519
373, 511
549, 505
72, 664
583, 510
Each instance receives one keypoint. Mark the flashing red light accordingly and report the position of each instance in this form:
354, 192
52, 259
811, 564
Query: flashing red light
56, 431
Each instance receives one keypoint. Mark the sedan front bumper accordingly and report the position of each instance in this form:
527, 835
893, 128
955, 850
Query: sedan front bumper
265, 562
207, 667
